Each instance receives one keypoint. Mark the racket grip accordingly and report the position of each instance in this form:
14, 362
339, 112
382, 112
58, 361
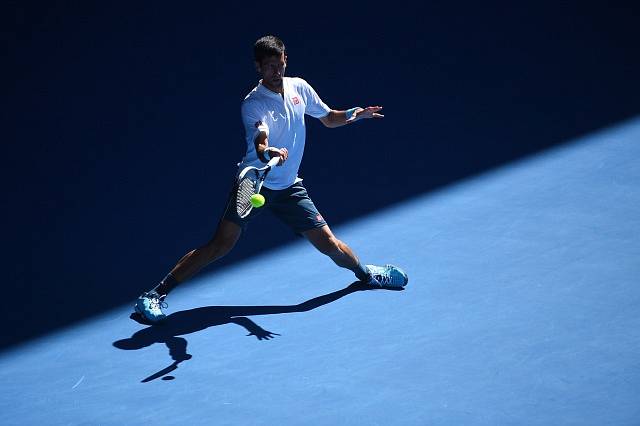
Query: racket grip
273, 162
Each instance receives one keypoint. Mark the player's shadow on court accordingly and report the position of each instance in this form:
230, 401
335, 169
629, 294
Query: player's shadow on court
192, 320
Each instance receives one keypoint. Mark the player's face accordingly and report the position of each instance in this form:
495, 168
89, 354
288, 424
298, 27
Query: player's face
272, 70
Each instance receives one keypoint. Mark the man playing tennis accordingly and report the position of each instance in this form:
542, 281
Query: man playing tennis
273, 117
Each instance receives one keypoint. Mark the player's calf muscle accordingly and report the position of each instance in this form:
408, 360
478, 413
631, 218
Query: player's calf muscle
338, 251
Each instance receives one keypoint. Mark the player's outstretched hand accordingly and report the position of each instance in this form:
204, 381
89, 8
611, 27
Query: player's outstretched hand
368, 112
262, 334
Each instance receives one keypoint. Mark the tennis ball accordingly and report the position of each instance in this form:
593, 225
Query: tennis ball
257, 200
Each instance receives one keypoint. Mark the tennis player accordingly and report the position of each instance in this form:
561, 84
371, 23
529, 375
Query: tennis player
273, 117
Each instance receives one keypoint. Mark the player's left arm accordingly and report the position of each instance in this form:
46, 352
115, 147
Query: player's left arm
337, 118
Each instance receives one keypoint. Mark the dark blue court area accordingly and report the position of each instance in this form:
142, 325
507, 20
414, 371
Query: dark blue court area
504, 179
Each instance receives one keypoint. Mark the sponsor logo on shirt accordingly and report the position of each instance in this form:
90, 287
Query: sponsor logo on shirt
273, 115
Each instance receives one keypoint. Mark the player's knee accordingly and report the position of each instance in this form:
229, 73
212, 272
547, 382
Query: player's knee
219, 247
225, 246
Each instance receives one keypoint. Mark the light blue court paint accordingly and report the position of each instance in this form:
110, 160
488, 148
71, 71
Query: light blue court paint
523, 307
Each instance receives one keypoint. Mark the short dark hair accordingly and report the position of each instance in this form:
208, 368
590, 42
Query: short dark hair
267, 46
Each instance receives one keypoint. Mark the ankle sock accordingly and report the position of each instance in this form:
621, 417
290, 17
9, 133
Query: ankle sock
362, 273
166, 285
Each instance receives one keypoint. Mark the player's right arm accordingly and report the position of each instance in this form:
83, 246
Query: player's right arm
262, 145
257, 130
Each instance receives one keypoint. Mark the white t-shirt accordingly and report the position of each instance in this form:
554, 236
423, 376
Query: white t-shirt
283, 120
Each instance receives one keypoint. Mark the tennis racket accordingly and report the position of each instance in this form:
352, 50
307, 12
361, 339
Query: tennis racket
250, 182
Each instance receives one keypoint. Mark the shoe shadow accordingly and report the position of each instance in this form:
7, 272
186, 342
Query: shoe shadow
193, 320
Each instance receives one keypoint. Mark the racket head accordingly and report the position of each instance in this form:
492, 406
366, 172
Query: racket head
248, 184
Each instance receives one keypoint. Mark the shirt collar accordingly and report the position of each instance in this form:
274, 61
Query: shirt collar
264, 90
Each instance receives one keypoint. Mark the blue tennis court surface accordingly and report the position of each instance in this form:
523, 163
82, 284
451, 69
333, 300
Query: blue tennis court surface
522, 308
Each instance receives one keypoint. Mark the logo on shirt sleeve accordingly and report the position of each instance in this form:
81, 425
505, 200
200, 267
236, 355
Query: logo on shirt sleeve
295, 100
258, 124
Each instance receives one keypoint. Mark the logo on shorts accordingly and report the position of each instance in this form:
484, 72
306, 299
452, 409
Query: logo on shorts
295, 100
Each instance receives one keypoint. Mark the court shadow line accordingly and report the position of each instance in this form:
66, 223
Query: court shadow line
198, 319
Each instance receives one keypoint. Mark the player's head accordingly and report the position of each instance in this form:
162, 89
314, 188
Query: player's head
271, 60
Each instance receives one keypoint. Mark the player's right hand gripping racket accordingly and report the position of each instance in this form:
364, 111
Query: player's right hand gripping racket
250, 182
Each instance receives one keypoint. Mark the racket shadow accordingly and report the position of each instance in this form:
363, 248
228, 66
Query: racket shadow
193, 320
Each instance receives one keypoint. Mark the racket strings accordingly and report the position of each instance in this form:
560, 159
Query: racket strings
246, 188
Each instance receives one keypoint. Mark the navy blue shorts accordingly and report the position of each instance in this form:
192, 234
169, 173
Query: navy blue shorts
291, 205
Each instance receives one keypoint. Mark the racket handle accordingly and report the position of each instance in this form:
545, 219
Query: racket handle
273, 162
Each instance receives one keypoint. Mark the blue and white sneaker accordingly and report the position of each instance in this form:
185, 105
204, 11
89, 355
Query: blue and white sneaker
150, 305
387, 276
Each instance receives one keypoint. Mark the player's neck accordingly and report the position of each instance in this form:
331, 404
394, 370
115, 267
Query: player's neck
275, 89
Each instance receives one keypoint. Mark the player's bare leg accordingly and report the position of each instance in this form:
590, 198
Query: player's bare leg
227, 234
342, 255
223, 241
